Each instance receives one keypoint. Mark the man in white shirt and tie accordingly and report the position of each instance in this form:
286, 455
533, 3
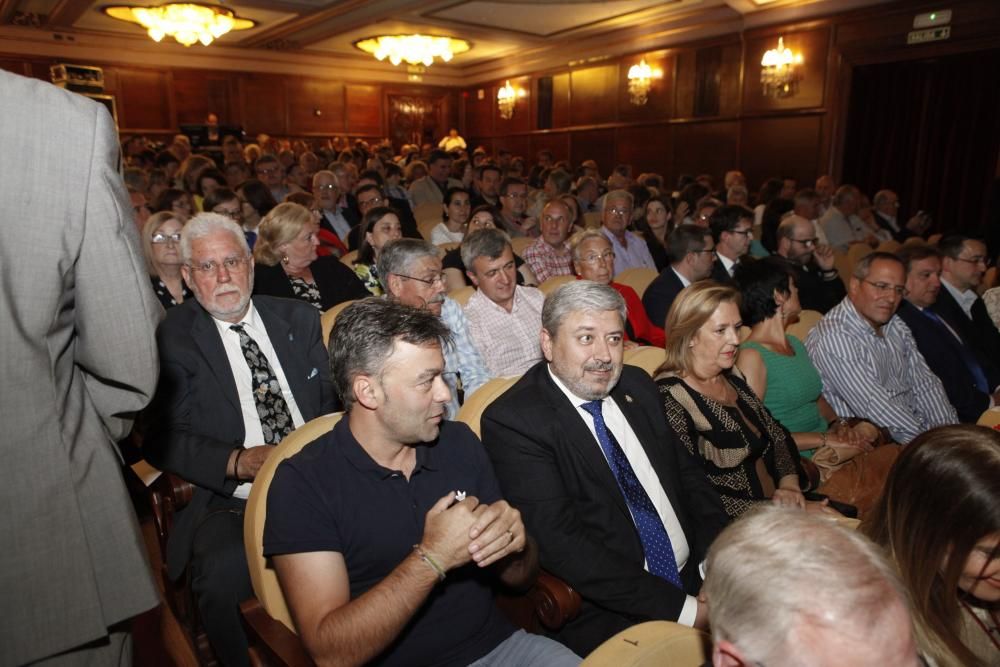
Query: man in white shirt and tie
732, 231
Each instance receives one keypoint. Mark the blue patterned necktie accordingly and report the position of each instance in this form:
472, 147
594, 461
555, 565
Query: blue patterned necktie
275, 418
655, 541
978, 375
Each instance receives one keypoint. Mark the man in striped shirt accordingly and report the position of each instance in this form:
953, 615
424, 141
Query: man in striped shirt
869, 361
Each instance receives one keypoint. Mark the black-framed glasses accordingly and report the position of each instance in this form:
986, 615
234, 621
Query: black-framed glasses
885, 288
439, 279
744, 232
231, 264
807, 242
985, 261
160, 237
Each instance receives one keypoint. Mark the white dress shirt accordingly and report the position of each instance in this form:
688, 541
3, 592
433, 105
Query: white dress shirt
965, 299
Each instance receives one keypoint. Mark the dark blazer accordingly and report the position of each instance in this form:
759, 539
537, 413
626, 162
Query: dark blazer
719, 273
943, 354
335, 281
816, 293
883, 222
551, 468
195, 421
407, 222
661, 294
979, 333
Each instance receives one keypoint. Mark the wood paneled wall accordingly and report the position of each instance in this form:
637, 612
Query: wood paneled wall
155, 101
707, 114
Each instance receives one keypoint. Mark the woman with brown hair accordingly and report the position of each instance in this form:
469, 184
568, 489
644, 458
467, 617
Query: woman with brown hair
381, 225
286, 263
939, 519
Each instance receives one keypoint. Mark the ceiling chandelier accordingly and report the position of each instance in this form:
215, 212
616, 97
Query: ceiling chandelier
185, 22
413, 49
640, 80
779, 75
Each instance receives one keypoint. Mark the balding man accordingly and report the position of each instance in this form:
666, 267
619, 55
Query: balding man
631, 251
820, 288
843, 605
841, 223
326, 190
550, 255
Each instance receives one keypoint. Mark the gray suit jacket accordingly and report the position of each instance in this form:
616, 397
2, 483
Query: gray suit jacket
77, 359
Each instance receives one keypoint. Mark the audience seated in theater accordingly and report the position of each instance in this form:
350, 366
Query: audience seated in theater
747, 456
329, 243
775, 211
270, 172
513, 204
732, 231
287, 264
575, 217
192, 166
841, 223
703, 210
140, 208
592, 260
410, 272
839, 601
368, 195
379, 560
394, 183
544, 160
692, 256
455, 217
326, 188
587, 191
380, 226
211, 421
504, 318
737, 195
778, 369
820, 287
456, 277
259, 202
549, 255
769, 191
825, 187
807, 204
962, 269
886, 207
176, 202
655, 225
630, 248
432, 187
161, 241
868, 360
620, 511
938, 521
970, 379
209, 180
486, 185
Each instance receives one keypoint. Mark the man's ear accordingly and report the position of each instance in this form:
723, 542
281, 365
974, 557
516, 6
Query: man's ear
547, 340
366, 392
472, 278
724, 654
393, 283
853, 286
186, 274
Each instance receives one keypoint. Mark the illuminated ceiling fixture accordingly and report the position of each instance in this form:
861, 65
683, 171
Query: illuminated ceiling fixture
640, 80
507, 99
186, 22
779, 73
413, 49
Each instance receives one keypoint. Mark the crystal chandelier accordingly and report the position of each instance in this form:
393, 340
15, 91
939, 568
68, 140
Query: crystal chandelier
507, 100
640, 80
413, 49
185, 22
779, 75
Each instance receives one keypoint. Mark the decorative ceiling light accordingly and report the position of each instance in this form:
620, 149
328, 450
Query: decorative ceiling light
507, 99
413, 49
779, 71
640, 80
186, 22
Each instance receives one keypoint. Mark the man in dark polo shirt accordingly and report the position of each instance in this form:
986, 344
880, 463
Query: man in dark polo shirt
387, 531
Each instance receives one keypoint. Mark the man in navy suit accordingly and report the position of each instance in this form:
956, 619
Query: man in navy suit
237, 374
692, 256
969, 380
581, 447
732, 231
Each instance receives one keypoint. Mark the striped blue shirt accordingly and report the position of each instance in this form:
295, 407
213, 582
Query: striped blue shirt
883, 379
461, 357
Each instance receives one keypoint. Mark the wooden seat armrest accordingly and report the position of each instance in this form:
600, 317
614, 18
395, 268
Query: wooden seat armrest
555, 601
273, 643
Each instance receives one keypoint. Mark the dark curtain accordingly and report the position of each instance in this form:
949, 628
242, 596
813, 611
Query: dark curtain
929, 130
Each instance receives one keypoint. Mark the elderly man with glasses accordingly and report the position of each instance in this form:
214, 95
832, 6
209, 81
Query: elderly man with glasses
631, 251
869, 361
820, 288
410, 272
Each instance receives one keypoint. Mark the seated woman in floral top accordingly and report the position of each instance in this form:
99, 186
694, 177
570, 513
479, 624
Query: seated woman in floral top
381, 225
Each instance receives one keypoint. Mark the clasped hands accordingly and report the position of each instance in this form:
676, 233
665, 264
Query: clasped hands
459, 531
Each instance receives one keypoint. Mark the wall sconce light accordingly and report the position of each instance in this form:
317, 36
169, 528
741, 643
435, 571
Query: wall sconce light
640, 80
779, 71
507, 99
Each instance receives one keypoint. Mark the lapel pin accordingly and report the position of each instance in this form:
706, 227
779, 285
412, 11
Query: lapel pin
628, 398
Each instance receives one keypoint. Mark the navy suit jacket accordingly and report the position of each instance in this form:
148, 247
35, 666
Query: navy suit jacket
552, 469
942, 352
195, 421
979, 333
660, 294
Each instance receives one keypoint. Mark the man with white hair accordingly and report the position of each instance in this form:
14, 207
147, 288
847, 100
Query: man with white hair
237, 375
840, 605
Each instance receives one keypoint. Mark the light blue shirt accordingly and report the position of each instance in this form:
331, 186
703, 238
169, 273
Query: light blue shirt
461, 358
635, 255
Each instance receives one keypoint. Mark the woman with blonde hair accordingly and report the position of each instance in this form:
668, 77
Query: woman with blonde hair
161, 243
286, 263
748, 456
939, 520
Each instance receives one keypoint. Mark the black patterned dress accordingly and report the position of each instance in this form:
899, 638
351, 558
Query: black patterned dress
164, 295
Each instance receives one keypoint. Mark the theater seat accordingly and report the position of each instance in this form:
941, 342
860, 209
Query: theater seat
646, 357
801, 327
653, 644
329, 318
462, 295
554, 283
348, 259
520, 243
990, 418
472, 410
638, 279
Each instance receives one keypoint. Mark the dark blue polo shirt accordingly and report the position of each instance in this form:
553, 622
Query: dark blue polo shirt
332, 496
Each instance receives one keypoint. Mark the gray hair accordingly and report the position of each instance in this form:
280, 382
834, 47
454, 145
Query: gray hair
845, 192
786, 228
843, 582
616, 195
577, 240
365, 333
205, 224
576, 296
484, 243
864, 265
399, 254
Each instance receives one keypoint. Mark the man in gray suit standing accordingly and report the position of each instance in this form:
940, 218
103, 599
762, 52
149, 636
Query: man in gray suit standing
77, 360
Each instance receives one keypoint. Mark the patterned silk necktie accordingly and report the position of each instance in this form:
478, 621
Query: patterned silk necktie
275, 418
655, 541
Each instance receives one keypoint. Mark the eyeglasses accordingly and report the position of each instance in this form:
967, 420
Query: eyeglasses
605, 257
620, 211
979, 259
516, 195
886, 288
160, 237
806, 242
439, 279
745, 232
231, 264
373, 201
268, 170
326, 186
